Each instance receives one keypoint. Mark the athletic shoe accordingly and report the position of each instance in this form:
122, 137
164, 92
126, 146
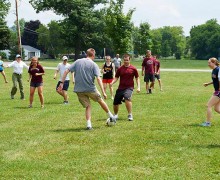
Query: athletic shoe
42, 106
130, 117
89, 128
30, 106
113, 119
116, 117
206, 124
150, 92
65, 102
12, 97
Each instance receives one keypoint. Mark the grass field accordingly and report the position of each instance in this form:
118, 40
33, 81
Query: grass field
163, 142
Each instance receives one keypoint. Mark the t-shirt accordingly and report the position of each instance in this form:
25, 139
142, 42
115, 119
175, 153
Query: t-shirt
157, 66
216, 78
85, 71
32, 71
126, 75
117, 62
1, 65
148, 64
62, 68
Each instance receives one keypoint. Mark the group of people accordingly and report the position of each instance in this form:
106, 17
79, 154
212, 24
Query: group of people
85, 71
150, 71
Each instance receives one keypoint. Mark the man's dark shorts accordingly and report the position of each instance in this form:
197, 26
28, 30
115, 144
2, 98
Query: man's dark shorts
149, 77
157, 76
65, 85
125, 94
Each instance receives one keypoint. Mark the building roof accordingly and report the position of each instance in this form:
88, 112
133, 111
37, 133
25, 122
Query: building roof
29, 48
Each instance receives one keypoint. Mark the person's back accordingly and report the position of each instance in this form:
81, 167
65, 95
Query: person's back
85, 72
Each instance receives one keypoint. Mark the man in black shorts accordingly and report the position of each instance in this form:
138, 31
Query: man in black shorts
126, 73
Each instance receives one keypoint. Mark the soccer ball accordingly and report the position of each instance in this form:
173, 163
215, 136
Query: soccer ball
110, 122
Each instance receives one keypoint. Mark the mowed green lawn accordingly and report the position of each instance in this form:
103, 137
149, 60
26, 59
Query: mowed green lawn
163, 142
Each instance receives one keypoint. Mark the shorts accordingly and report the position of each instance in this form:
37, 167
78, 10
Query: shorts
149, 77
157, 76
84, 97
34, 84
107, 81
122, 94
217, 94
65, 85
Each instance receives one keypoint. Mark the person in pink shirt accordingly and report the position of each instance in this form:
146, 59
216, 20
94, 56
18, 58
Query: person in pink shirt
36, 71
157, 71
148, 66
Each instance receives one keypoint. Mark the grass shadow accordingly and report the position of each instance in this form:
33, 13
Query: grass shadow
80, 129
210, 146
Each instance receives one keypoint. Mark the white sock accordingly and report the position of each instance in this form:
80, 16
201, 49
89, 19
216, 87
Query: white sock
89, 124
109, 114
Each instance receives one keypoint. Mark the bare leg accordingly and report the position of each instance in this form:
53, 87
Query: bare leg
88, 112
213, 101
3, 74
128, 105
116, 108
105, 86
41, 96
103, 105
32, 90
159, 81
111, 90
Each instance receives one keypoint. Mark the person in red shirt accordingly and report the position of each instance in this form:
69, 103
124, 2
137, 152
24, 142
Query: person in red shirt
157, 71
35, 76
148, 66
126, 73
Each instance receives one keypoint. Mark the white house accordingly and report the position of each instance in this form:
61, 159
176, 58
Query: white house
30, 52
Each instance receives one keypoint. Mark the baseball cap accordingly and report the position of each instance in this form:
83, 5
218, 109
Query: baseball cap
64, 58
18, 56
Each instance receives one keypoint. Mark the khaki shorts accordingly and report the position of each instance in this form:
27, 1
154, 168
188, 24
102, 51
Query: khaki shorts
84, 97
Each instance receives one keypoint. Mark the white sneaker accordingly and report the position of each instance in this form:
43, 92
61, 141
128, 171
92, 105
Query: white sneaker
116, 117
130, 117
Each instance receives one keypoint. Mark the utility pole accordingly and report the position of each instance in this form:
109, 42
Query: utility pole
18, 29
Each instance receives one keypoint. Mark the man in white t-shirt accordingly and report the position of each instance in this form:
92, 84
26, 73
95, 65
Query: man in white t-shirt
117, 62
17, 66
61, 68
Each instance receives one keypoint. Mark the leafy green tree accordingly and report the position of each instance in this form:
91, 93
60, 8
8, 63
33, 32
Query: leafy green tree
30, 36
4, 30
156, 41
81, 20
205, 40
50, 38
142, 38
119, 26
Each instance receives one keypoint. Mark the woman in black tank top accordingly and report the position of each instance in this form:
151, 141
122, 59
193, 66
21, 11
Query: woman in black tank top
108, 70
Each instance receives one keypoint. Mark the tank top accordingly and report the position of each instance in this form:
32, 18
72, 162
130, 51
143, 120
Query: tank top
109, 71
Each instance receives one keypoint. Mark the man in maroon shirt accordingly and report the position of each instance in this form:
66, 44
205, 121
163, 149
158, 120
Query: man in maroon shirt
148, 66
126, 73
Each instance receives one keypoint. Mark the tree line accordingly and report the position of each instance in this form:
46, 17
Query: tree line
84, 25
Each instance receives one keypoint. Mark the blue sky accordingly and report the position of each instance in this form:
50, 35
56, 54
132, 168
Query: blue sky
157, 13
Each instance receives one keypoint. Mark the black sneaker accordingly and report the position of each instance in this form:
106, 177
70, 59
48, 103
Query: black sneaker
89, 128
150, 92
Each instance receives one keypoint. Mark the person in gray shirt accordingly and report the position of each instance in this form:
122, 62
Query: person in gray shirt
117, 62
85, 71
